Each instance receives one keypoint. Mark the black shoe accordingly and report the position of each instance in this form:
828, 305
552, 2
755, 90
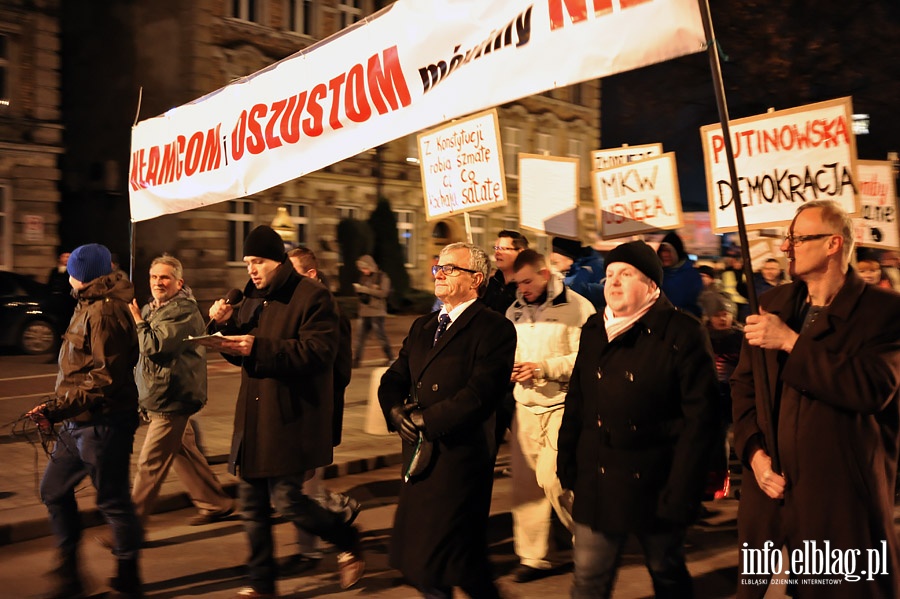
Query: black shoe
523, 573
66, 589
127, 582
298, 564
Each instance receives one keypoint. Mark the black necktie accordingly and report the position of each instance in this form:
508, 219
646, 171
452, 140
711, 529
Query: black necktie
443, 323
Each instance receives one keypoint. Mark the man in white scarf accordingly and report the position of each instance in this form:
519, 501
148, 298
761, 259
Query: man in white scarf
638, 425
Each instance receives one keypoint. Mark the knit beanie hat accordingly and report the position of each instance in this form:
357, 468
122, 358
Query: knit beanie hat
88, 262
570, 248
639, 255
264, 242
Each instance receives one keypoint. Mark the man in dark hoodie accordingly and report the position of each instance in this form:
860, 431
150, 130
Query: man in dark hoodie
96, 405
681, 281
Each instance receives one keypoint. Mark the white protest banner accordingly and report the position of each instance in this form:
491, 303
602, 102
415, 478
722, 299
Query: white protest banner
415, 64
783, 159
548, 194
611, 157
877, 225
462, 166
638, 197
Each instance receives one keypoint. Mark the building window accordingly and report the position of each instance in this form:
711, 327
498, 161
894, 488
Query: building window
512, 145
247, 10
299, 214
303, 16
5, 67
240, 221
351, 11
406, 229
478, 224
345, 212
543, 144
6, 218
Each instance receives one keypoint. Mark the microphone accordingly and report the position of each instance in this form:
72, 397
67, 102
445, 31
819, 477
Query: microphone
232, 297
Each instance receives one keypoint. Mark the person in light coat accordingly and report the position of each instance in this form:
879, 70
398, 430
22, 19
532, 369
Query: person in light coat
548, 317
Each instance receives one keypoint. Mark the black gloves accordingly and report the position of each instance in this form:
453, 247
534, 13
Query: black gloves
402, 423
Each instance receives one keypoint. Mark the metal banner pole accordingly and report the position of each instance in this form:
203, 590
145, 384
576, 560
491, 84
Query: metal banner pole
760, 376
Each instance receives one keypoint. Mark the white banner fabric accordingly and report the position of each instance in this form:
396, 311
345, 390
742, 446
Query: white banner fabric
414, 65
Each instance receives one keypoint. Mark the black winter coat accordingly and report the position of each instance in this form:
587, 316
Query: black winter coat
639, 422
283, 418
440, 528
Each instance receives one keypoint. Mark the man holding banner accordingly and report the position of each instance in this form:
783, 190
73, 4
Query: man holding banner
832, 353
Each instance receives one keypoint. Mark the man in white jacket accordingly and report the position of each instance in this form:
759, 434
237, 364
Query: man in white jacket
548, 318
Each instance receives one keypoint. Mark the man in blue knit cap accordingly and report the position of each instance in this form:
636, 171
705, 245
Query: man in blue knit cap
95, 405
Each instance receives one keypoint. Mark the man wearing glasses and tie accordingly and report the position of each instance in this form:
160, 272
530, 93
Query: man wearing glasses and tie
444, 387
831, 346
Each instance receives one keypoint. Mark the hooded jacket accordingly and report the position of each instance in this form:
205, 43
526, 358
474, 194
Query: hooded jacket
373, 289
98, 353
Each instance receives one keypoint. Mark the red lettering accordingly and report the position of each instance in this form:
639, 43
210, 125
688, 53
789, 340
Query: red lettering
577, 10
170, 169
137, 161
355, 100
388, 83
193, 153
255, 142
718, 144
312, 126
272, 140
290, 122
152, 166
212, 157
335, 86
237, 136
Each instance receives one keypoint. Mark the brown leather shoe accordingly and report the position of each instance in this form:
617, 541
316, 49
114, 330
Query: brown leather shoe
351, 567
203, 519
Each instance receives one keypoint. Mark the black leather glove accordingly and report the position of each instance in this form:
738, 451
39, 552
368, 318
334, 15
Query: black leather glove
402, 424
417, 418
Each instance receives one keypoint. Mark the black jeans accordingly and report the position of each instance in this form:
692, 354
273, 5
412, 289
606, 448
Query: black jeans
101, 450
258, 495
597, 557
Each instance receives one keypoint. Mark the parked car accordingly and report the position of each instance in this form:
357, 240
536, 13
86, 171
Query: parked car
32, 318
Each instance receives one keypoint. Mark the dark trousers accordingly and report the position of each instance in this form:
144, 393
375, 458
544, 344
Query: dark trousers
102, 451
370, 323
285, 493
597, 556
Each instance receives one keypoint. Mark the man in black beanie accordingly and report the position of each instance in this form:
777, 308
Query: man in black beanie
285, 337
645, 376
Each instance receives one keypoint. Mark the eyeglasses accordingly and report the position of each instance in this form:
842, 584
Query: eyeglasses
798, 239
500, 248
449, 269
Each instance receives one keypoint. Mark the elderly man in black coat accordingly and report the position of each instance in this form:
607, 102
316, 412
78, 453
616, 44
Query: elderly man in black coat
442, 393
638, 426
285, 338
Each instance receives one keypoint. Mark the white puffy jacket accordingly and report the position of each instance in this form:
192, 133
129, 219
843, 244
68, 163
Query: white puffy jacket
548, 334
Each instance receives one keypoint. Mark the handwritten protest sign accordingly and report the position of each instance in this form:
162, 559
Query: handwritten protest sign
611, 157
638, 197
548, 194
877, 224
462, 166
783, 159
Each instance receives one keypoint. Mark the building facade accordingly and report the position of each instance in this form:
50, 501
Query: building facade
31, 135
180, 51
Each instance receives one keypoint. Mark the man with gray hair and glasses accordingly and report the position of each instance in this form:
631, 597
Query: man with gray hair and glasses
442, 393
831, 346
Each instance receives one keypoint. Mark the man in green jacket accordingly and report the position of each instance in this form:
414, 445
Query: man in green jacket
171, 381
